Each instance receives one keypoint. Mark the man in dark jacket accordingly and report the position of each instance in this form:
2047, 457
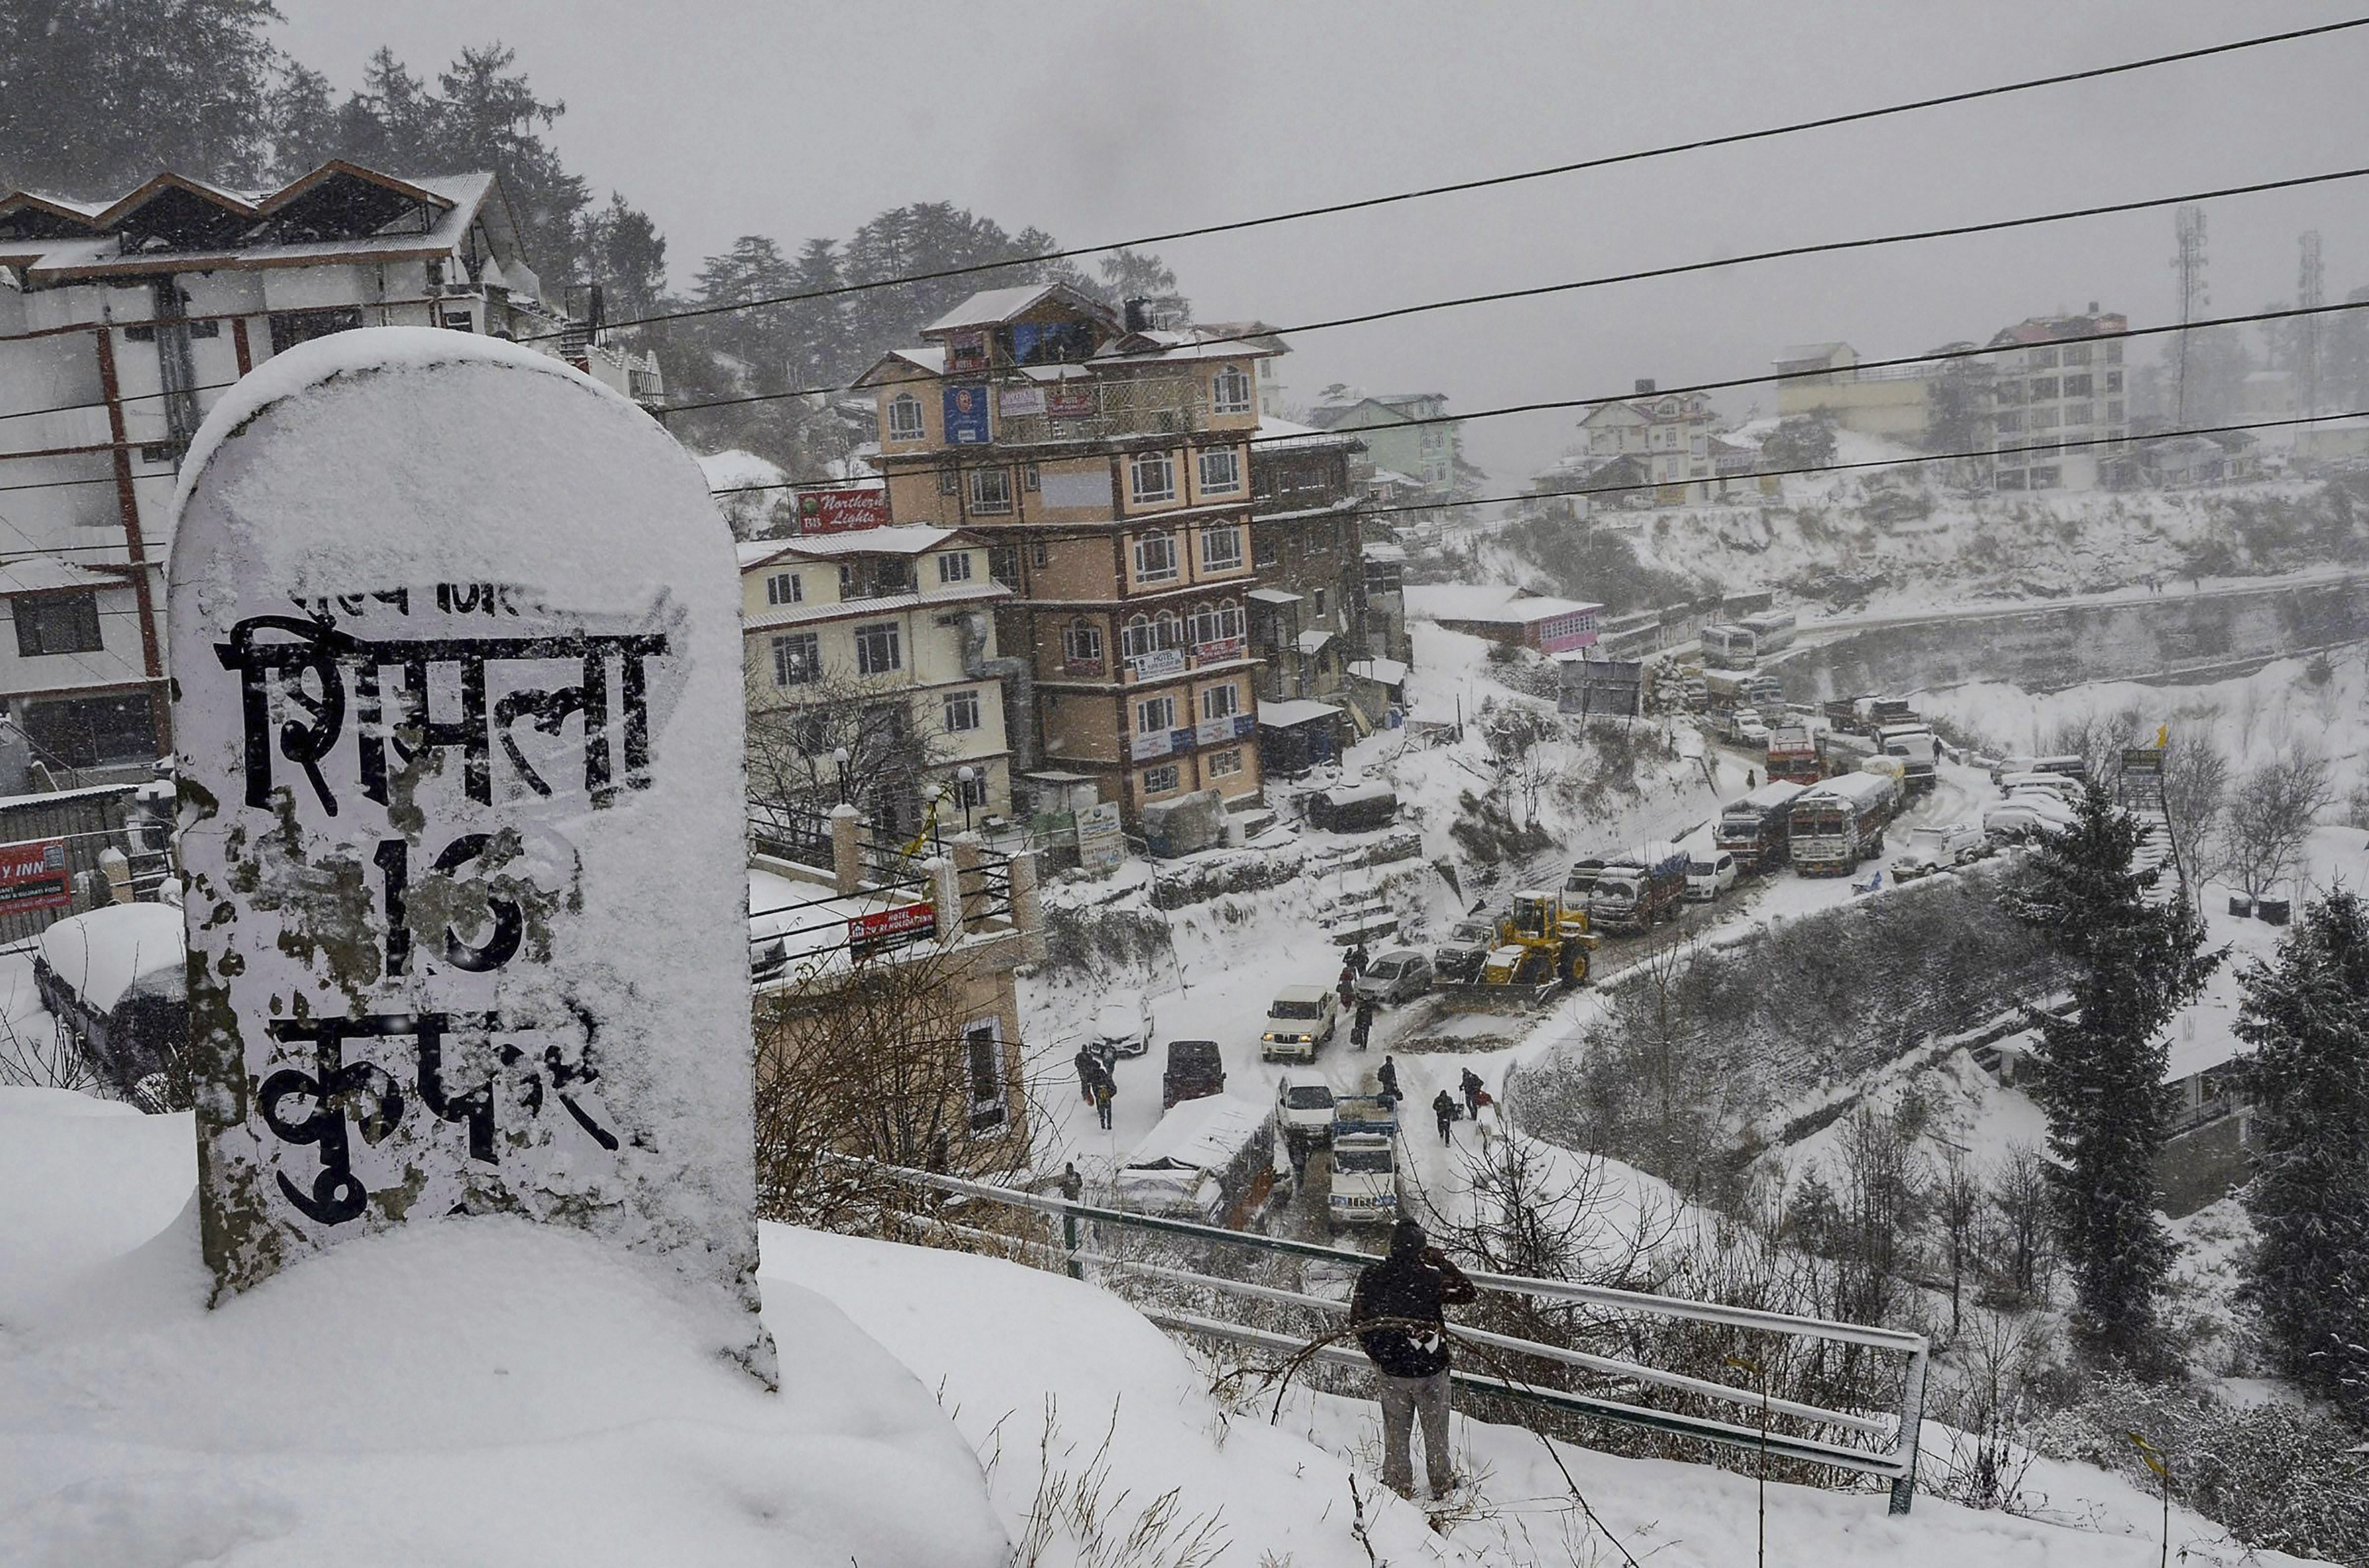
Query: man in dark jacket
1387, 1075
1362, 1029
1443, 1110
1471, 1087
1401, 1297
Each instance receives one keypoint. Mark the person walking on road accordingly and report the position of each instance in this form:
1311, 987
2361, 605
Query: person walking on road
1471, 1087
1396, 1309
1349, 988
1387, 1075
1363, 1028
1089, 1068
1358, 959
1105, 1092
1443, 1105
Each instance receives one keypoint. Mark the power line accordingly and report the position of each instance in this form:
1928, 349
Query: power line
1610, 160
1764, 378
1958, 231
1545, 406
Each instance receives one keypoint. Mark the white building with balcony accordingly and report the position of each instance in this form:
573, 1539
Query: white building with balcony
123, 321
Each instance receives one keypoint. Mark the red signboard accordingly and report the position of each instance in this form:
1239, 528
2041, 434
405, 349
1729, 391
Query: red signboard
901, 926
33, 875
842, 511
1071, 402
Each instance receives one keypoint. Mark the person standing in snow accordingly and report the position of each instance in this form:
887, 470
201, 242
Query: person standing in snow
1358, 959
1443, 1105
1471, 1087
1349, 988
1089, 1068
1105, 1092
1748, 778
1396, 1311
1362, 1029
1387, 1075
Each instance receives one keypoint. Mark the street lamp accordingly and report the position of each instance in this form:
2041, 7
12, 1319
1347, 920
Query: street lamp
840, 757
964, 776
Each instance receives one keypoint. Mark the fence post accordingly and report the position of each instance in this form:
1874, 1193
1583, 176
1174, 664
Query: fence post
1912, 1429
846, 855
970, 878
1028, 907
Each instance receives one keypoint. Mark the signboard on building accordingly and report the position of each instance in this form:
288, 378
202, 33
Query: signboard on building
33, 876
843, 511
1070, 402
1146, 744
965, 414
1158, 663
1020, 399
1102, 844
460, 742
967, 351
901, 926
1567, 633
1216, 649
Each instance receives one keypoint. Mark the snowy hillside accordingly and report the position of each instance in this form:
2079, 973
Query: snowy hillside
540, 1396
1887, 538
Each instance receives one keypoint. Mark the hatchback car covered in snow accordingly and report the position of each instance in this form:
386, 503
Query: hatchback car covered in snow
1396, 976
1122, 1026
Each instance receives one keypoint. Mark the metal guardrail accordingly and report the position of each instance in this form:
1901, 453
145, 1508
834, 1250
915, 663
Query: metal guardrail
1896, 1463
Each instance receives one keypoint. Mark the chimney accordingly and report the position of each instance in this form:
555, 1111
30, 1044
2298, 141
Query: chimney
1645, 386
2093, 307
1138, 315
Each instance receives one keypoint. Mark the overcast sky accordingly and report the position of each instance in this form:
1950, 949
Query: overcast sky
1102, 122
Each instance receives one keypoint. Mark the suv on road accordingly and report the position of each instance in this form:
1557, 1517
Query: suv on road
1196, 1071
1300, 1019
1459, 958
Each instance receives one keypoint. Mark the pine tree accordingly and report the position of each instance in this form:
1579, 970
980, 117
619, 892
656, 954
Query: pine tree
2306, 1016
2099, 1072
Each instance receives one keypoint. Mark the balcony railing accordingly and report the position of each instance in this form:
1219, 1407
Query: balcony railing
1104, 408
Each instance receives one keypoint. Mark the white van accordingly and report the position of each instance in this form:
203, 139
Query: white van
1939, 848
1709, 872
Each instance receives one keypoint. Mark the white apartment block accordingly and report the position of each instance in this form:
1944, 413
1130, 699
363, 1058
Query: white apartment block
897, 622
2059, 408
122, 323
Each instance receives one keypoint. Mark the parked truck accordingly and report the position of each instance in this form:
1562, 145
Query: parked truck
1364, 1161
1917, 750
1866, 714
1793, 755
1842, 751
1837, 825
1754, 829
1639, 886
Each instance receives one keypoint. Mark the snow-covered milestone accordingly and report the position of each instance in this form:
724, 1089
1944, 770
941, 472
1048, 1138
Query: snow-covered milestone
458, 714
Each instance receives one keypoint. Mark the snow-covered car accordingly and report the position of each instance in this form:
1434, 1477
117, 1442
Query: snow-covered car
1457, 960
1396, 976
1938, 849
1709, 872
1303, 1109
113, 978
1300, 1019
1751, 730
2029, 818
2054, 784
1122, 1026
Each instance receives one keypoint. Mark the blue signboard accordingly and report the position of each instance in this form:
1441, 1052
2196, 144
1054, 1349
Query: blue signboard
966, 412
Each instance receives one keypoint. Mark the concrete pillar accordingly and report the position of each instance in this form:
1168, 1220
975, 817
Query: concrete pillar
846, 858
946, 890
968, 879
1028, 907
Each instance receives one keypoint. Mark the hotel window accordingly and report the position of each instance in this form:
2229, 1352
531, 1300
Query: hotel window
1040, 554
1155, 558
1154, 715
784, 588
1230, 392
1082, 643
949, 481
55, 623
2043, 388
1135, 639
879, 650
2076, 413
2077, 386
904, 417
1161, 780
1221, 702
1264, 550
1152, 477
1221, 470
1221, 548
797, 659
954, 566
990, 491
1223, 763
962, 711
1028, 477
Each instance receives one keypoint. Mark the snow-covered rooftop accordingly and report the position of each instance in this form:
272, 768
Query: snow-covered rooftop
1202, 1135
1488, 602
1295, 710
897, 539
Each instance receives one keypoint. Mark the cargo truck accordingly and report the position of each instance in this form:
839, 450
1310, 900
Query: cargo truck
1638, 887
1837, 825
1917, 750
1754, 829
1793, 755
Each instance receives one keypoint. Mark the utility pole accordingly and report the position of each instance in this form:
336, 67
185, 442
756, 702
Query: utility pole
2310, 292
2188, 266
